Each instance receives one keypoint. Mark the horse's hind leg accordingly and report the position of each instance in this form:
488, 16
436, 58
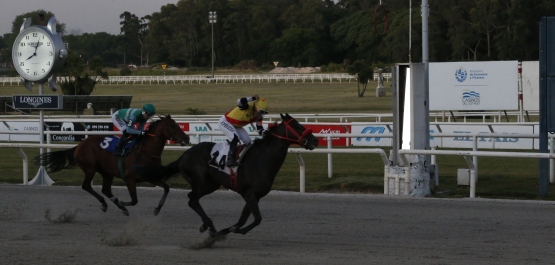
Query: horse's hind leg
163, 200
89, 175
107, 181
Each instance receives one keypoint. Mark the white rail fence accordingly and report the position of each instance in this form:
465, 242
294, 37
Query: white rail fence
469, 156
198, 79
386, 76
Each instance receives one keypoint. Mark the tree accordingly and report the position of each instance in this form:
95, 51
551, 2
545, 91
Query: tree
363, 72
135, 31
78, 78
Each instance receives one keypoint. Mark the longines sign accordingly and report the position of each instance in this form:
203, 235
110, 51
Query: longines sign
38, 101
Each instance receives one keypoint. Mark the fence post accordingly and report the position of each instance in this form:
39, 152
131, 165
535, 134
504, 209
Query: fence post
330, 161
475, 158
25, 166
302, 173
551, 161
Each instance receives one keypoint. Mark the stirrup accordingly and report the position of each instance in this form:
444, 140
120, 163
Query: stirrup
231, 163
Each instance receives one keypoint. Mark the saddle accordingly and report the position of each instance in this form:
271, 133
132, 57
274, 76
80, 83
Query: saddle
109, 144
218, 160
219, 153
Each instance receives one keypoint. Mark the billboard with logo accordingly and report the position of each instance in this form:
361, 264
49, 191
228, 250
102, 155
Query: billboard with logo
474, 86
510, 141
327, 129
24, 126
374, 133
75, 126
196, 131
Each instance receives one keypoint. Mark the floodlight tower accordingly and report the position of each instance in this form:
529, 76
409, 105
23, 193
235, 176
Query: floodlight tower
212, 18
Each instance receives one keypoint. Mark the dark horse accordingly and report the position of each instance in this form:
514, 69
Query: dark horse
92, 158
255, 175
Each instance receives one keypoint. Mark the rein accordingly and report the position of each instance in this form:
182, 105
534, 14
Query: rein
299, 137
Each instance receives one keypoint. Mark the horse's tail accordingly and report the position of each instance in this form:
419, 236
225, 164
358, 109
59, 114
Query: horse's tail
57, 160
158, 172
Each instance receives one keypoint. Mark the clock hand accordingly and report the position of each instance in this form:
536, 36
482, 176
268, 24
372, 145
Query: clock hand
36, 47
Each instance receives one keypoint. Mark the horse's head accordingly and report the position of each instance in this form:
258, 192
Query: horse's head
292, 131
167, 128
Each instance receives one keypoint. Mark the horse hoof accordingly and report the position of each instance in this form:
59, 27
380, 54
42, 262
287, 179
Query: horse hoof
126, 213
203, 228
104, 208
156, 212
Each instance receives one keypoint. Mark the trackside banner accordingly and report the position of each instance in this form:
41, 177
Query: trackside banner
374, 133
467, 86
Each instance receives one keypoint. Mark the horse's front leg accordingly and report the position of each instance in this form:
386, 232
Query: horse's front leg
242, 220
206, 221
132, 188
163, 200
107, 181
252, 204
88, 187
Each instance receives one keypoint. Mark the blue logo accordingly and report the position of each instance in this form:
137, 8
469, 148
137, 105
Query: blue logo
372, 130
460, 75
470, 98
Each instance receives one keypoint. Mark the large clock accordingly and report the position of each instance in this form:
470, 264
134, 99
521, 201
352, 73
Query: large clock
38, 53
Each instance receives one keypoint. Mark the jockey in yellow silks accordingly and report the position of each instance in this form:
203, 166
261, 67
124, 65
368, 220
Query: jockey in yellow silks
249, 110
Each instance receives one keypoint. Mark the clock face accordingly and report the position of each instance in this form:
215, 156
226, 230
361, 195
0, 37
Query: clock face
33, 54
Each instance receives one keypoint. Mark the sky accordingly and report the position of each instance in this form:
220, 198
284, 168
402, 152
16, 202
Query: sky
80, 16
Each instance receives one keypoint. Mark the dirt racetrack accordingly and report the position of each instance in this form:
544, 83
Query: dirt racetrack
296, 229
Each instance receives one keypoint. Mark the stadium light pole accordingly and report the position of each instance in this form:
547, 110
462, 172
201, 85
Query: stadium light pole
212, 19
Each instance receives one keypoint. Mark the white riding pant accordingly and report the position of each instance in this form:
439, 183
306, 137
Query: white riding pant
230, 131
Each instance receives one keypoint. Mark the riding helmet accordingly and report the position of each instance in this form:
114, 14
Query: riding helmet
262, 105
149, 109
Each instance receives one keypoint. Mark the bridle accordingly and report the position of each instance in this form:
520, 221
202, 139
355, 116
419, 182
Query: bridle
297, 138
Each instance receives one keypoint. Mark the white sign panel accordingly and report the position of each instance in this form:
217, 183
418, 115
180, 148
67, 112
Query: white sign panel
511, 141
196, 130
531, 85
20, 127
467, 86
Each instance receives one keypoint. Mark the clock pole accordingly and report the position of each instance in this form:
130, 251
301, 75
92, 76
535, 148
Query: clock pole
42, 177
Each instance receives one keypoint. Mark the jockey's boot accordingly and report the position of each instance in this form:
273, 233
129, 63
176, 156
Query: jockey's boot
231, 162
120, 146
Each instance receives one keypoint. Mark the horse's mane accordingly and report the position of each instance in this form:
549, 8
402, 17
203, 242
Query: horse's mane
153, 125
271, 129
157, 122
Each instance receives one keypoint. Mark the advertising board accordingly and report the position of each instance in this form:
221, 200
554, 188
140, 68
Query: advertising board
24, 126
327, 129
468, 86
76, 126
531, 85
373, 139
508, 142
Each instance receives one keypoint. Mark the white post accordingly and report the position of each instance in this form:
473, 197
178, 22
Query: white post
25, 166
330, 161
474, 173
302, 172
551, 161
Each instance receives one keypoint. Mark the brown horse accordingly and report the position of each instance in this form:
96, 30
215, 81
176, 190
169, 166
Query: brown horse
91, 156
